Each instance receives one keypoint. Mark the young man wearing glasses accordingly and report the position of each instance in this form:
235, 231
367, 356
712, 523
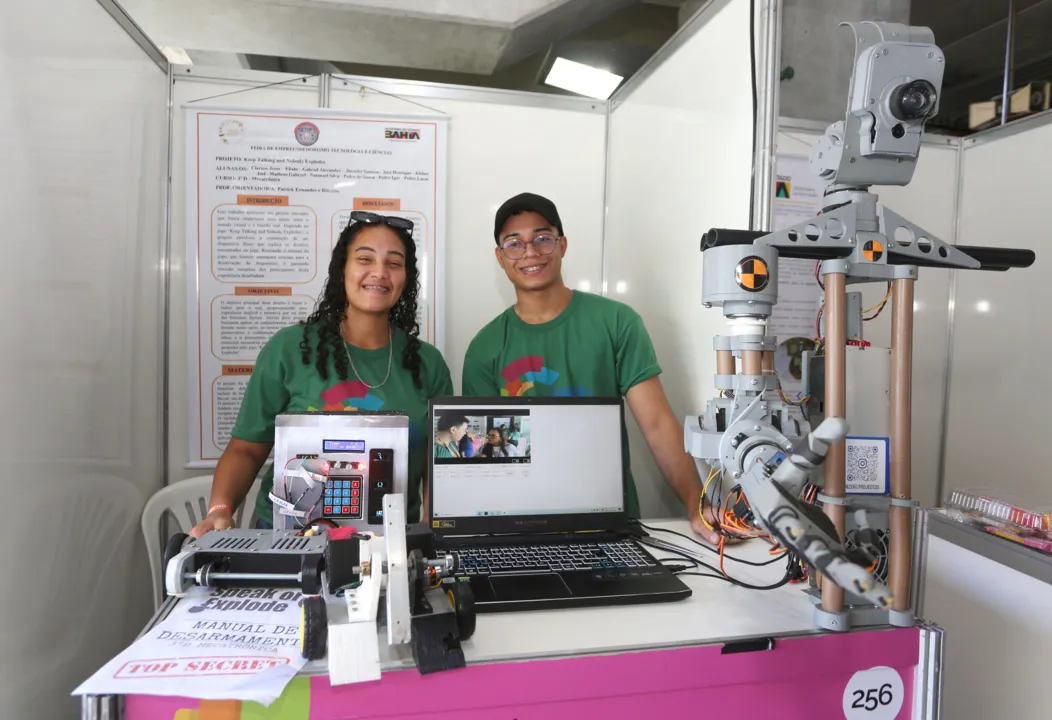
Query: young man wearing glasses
558, 342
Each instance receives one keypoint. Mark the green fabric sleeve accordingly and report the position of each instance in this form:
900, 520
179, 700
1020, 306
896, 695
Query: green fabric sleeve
635, 355
441, 379
479, 376
266, 396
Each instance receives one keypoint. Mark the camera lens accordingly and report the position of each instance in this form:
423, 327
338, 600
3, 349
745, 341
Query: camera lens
914, 100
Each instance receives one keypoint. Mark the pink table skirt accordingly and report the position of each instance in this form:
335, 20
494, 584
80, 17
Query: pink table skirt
807, 678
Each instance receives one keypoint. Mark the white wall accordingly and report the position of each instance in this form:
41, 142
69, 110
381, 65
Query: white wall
989, 612
498, 149
928, 201
500, 144
82, 141
680, 163
999, 374
189, 88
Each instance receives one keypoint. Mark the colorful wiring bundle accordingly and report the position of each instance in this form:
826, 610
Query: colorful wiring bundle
697, 561
732, 526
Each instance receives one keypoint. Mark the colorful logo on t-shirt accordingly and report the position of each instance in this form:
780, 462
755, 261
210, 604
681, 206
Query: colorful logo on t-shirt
351, 395
520, 376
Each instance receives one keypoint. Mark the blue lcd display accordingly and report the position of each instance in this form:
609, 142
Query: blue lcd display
348, 446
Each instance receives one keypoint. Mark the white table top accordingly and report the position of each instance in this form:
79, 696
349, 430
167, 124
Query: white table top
717, 611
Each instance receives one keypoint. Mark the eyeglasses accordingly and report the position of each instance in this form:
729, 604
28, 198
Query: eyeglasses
370, 218
515, 248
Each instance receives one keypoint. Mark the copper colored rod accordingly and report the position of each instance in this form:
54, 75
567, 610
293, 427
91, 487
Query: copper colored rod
835, 406
752, 364
900, 519
725, 363
768, 362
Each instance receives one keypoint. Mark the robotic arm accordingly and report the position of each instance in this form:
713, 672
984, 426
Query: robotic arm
773, 490
749, 434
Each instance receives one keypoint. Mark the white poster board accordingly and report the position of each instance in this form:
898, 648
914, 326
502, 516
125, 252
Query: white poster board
798, 196
268, 193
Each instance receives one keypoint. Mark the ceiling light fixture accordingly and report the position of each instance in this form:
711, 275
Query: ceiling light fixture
582, 79
176, 56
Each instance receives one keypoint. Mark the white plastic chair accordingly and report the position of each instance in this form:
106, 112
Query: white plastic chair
187, 502
70, 568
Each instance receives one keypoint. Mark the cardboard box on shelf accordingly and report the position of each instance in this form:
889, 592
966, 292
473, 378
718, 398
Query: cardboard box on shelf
1031, 98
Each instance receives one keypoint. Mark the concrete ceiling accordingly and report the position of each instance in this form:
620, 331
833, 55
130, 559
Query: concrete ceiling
461, 36
972, 33
504, 43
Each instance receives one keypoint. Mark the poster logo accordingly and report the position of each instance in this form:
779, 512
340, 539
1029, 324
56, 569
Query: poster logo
401, 134
231, 132
752, 274
307, 133
873, 250
783, 188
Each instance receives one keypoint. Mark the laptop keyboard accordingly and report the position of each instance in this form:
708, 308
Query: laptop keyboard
533, 558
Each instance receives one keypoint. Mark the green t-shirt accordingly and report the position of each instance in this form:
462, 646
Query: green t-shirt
443, 451
280, 383
595, 347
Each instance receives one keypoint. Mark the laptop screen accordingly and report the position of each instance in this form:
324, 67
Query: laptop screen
515, 459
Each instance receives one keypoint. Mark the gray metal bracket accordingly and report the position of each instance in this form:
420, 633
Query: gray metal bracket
901, 618
746, 383
835, 622
737, 343
868, 272
921, 244
867, 502
836, 228
856, 615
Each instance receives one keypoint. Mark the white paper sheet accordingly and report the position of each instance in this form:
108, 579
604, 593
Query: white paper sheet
216, 645
798, 197
268, 194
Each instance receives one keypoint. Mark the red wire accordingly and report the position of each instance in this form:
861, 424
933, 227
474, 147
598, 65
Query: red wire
879, 310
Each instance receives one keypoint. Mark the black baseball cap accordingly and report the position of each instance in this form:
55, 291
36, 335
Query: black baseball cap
526, 202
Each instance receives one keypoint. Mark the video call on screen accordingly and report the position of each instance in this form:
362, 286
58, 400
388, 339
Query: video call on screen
492, 436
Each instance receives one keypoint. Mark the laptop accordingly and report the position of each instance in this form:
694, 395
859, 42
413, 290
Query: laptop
537, 515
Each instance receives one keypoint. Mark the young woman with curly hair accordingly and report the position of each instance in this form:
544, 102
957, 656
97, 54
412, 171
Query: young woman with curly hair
361, 342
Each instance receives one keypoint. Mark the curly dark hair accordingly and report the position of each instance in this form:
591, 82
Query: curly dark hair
332, 305
488, 450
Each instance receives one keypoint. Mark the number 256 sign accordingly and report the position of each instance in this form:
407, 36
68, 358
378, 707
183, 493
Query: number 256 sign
874, 694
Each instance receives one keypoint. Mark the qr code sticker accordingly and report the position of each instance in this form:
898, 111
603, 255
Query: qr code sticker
867, 465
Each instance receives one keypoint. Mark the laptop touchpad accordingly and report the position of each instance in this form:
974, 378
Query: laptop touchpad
538, 586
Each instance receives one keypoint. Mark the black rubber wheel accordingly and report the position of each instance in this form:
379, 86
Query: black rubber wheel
463, 601
173, 547
310, 576
314, 627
